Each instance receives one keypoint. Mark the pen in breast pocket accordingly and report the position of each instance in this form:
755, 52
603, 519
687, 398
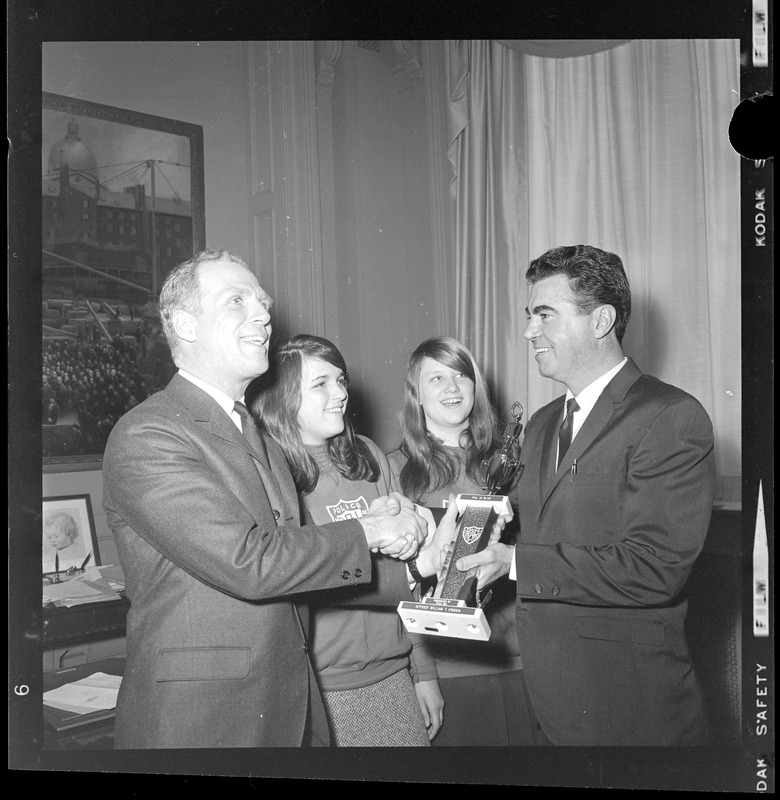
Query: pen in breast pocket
573, 470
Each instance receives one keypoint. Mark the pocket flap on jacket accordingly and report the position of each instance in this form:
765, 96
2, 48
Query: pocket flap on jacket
636, 631
585, 478
203, 664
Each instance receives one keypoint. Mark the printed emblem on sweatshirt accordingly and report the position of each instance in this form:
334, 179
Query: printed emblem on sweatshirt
348, 509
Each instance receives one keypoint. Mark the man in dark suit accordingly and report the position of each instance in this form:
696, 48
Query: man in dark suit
206, 521
610, 524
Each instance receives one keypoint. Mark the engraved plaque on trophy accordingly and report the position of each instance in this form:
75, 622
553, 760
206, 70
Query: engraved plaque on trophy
455, 608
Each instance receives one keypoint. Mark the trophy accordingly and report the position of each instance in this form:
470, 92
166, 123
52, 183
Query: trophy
455, 608
500, 468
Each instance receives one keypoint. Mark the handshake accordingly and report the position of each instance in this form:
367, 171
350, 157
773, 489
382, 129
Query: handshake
394, 528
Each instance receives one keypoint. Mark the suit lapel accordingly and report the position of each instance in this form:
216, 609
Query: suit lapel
207, 413
613, 394
225, 429
550, 450
278, 481
597, 420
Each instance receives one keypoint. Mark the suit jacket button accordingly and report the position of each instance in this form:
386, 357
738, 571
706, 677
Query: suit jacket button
345, 574
305, 647
276, 514
556, 590
538, 589
358, 573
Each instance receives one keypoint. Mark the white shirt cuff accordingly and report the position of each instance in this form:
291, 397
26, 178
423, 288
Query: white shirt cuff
513, 568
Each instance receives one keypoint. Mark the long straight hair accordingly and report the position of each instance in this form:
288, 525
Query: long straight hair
430, 464
276, 409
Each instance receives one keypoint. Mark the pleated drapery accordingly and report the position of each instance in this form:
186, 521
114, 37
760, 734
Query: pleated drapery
625, 148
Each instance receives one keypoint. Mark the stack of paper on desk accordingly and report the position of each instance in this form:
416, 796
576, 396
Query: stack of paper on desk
91, 587
114, 576
88, 700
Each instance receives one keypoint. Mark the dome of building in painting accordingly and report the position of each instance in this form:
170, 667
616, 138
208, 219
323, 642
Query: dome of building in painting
73, 152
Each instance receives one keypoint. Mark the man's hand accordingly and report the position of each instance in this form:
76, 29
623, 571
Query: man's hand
431, 704
492, 562
392, 504
393, 527
432, 555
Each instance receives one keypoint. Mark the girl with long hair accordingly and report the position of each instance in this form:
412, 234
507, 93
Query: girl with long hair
378, 683
449, 427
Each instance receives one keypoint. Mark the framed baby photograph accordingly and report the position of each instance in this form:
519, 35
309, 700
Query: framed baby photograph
69, 535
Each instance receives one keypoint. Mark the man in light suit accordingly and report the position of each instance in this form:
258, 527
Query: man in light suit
207, 527
610, 527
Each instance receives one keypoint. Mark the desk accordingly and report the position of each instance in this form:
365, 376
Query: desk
93, 736
85, 623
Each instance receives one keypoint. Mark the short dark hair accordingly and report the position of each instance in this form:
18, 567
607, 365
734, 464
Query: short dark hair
596, 277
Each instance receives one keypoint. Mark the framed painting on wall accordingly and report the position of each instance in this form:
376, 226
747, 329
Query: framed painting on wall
122, 203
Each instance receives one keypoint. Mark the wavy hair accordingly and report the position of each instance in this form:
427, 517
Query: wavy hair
596, 277
278, 402
430, 465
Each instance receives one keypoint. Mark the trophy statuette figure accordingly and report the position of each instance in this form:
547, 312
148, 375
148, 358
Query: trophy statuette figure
500, 468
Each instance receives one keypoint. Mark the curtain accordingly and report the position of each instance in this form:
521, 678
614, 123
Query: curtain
560, 48
488, 153
626, 149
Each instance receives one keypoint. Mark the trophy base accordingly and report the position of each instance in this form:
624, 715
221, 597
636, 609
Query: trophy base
439, 617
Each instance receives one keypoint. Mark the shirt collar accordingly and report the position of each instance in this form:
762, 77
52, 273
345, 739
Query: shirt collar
587, 398
225, 401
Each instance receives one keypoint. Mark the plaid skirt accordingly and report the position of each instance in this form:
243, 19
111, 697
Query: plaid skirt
384, 714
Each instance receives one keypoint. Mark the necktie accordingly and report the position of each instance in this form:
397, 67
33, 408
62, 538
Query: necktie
251, 433
564, 434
